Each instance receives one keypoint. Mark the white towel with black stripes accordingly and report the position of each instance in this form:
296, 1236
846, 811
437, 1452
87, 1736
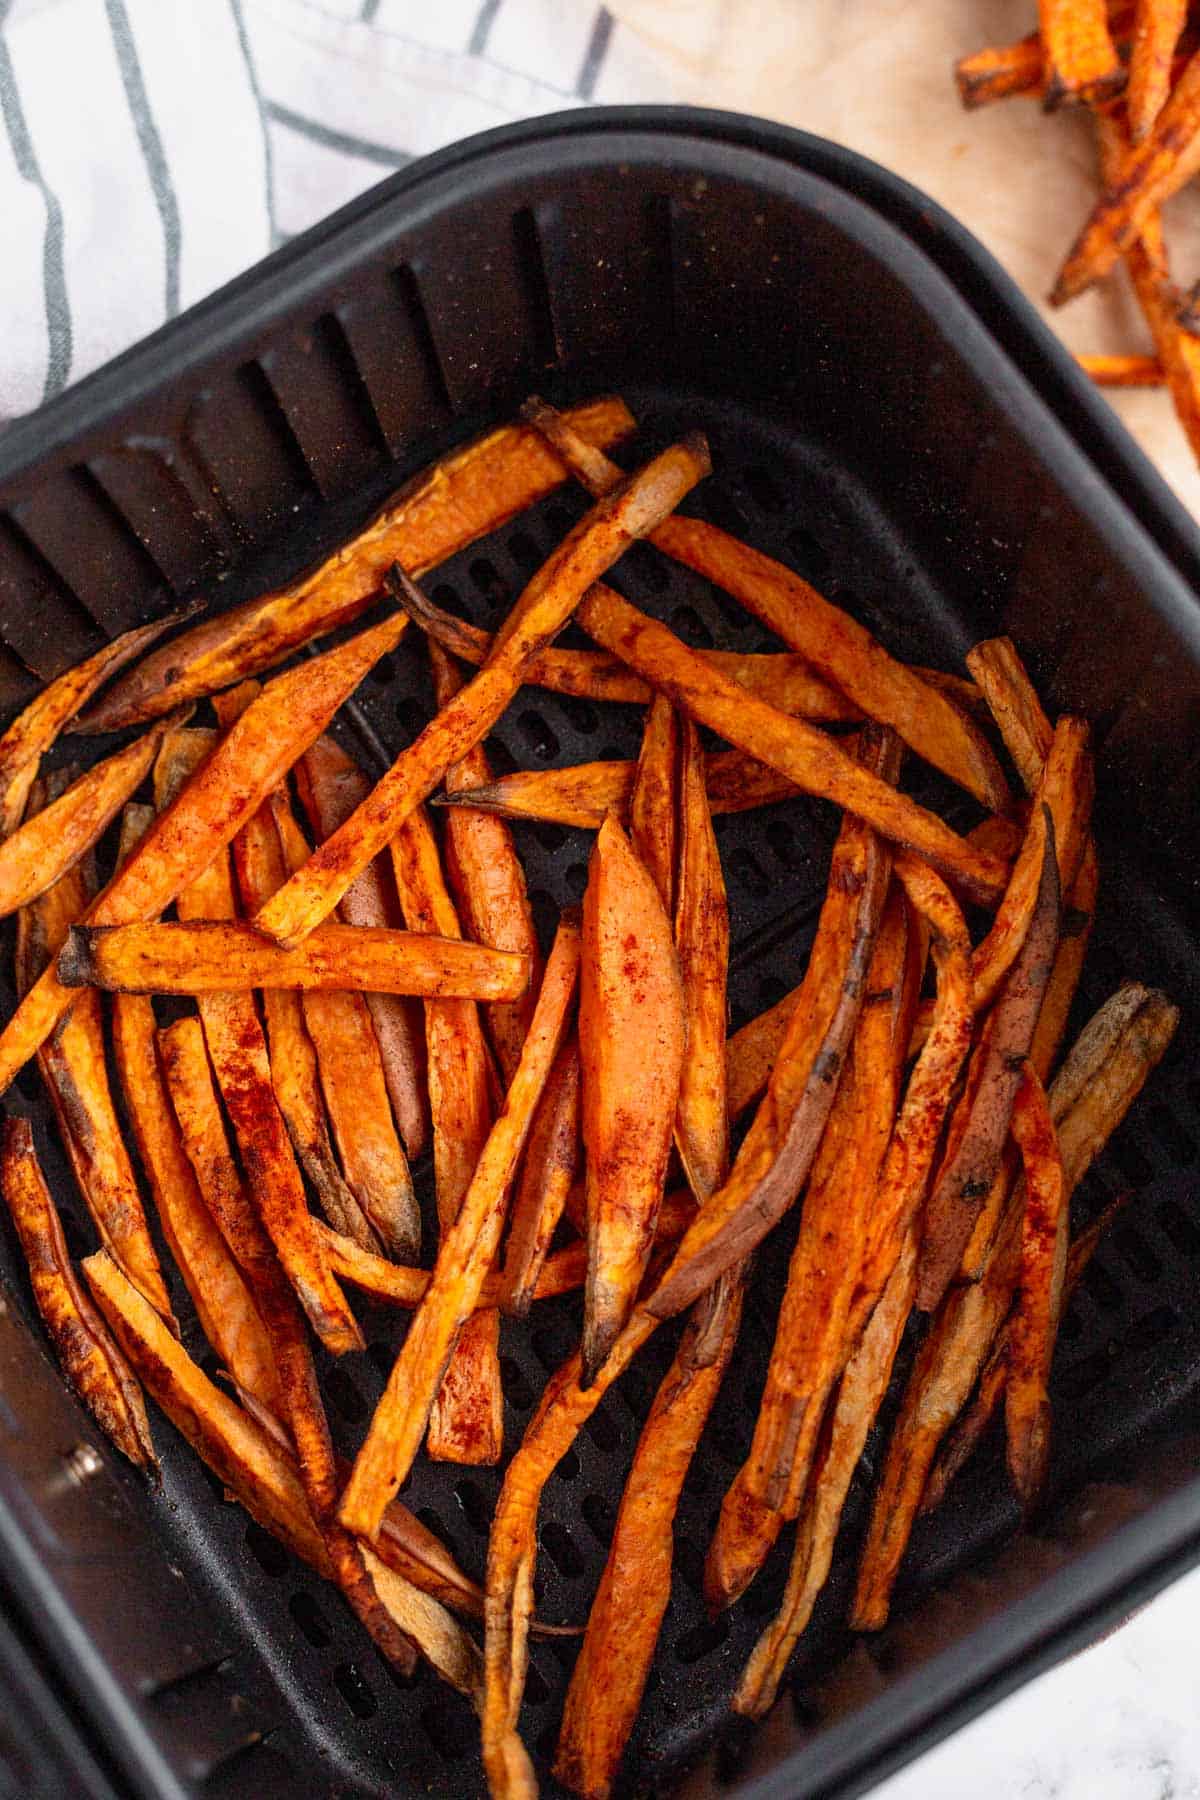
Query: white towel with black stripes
152, 149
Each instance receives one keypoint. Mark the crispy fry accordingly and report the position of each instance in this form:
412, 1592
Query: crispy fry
1033, 1325
1001, 71
783, 678
585, 793
355, 1090
653, 802
488, 880
970, 1166
463, 1259
702, 943
241, 1065
33, 732
1136, 185
971, 1425
1094, 1045
52, 840
541, 612
512, 1555
859, 1397
1013, 702
631, 1043
806, 756
255, 1468
193, 1096
1157, 28
550, 1168
206, 956
751, 1053
250, 760
1091, 1121
91, 1362
466, 1422
466, 495
836, 646
331, 785
774, 1159
227, 1313
942, 1378
1123, 371
1081, 63
402, 1285
259, 864
75, 1071
622, 1630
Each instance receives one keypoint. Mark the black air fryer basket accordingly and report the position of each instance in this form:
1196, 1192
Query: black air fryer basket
888, 417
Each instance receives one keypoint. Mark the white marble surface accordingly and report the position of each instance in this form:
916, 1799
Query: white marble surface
1120, 1721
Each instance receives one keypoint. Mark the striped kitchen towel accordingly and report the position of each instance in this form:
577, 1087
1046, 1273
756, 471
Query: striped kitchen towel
152, 149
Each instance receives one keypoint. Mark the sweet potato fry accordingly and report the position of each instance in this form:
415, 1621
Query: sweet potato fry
784, 678
775, 1157
466, 495
75, 1071
355, 1089
206, 956
401, 1285
1001, 71
550, 1168
463, 1259
52, 840
631, 1043
809, 1347
1085, 1129
654, 800
1136, 185
1081, 62
702, 944
190, 1084
331, 785
942, 1378
751, 1053
1013, 702
971, 1425
806, 756
227, 1313
1094, 1045
33, 732
610, 1673
583, 794
260, 867
241, 1065
970, 1166
466, 1421
1123, 371
543, 609
91, 1362
250, 760
255, 1468
1033, 1324
512, 1555
836, 647
859, 1397
488, 880
1157, 28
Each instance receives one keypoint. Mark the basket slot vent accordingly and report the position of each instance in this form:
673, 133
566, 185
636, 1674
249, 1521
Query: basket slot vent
387, 331
241, 440
600, 259
539, 306
183, 538
94, 549
44, 624
321, 393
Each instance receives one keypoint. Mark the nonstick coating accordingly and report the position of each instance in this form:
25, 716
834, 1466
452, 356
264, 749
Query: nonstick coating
916, 553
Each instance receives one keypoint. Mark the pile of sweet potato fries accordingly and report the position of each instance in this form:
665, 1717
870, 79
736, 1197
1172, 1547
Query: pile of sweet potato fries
1135, 65
582, 1108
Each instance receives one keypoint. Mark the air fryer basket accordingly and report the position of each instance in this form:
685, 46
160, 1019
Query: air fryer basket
869, 430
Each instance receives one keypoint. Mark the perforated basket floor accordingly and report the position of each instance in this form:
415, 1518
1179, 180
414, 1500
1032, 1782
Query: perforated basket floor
868, 430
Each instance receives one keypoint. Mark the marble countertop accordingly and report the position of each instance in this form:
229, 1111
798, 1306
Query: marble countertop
1120, 1721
